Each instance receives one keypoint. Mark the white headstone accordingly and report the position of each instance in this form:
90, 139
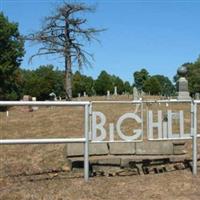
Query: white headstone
115, 90
34, 107
84, 94
197, 96
135, 94
143, 93
108, 94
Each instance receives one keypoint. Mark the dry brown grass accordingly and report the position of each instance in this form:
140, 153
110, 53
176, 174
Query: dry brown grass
36, 171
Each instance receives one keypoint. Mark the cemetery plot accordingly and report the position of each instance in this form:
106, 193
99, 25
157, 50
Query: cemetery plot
46, 122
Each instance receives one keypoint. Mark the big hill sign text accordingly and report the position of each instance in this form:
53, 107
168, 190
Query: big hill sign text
159, 120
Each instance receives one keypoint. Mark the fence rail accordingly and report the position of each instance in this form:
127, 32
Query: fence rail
84, 140
44, 103
88, 125
43, 141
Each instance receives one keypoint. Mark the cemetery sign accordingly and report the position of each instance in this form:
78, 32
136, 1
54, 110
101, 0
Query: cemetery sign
159, 126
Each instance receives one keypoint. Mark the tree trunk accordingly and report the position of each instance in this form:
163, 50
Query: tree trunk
68, 78
68, 63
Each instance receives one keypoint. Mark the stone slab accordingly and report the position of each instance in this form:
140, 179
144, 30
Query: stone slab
179, 148
122, 148
99, 149
183, 96
77, 149
154, 148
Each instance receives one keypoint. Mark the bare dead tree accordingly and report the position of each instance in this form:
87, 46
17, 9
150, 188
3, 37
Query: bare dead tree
64, 33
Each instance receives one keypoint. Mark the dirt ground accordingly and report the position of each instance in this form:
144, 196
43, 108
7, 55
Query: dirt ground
41, 171
174, 185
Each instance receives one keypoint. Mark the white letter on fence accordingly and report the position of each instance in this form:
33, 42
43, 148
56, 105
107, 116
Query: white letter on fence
99, 126
137, 132
152, 124
111, 128
180, 117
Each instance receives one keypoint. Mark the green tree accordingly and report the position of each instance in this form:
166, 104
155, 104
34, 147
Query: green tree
77, 84
118, 82
81, 84
194, 77
140, 77
103, 83
152, 86
127, 87
167, 88
89, 85
43, 81
11, 53
198, 59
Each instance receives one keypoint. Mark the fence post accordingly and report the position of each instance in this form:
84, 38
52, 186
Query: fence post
90, 121
194, 138
86, 146
142, 116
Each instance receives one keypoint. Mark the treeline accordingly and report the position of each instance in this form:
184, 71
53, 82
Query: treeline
100, 86
153, 85
161, 85
46, 79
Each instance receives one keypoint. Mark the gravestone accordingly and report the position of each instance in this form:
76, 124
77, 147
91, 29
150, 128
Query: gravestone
197, 96
34, 99
27, 108
27, 98
135, 94
84, 94
53, 96
79, 96
183, 93
142, 93
115, 90
34, 107
108, 94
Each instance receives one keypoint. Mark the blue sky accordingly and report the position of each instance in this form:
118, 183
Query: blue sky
156, 35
